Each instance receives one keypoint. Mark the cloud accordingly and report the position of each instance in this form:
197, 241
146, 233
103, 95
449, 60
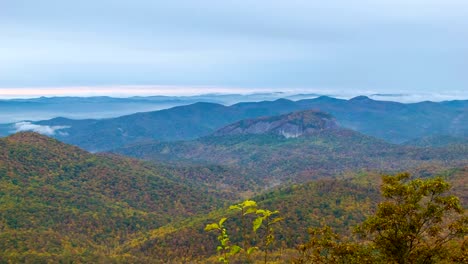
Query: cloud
414, 45
419, 97
46, 130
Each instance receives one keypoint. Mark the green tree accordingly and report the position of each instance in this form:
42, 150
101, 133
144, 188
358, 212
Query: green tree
415, 220
246, 208
325, 246
226, 248
265, 220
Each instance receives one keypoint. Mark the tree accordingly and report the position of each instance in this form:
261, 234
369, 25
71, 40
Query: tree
226, 248
325, 246
415, 220
268, 219
265, 220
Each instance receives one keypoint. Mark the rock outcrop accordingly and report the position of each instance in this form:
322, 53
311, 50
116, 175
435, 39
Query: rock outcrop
290, 125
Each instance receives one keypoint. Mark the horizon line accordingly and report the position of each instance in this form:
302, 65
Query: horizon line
129, 91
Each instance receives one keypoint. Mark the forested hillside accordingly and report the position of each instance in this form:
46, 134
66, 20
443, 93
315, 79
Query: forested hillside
58, 202
234, 132
295, 148
340, 203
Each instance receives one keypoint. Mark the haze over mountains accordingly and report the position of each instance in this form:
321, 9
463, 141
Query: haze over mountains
15, 110
390, 121
96, 107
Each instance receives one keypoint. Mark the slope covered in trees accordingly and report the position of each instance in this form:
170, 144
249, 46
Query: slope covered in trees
294, 147
58, 202
341, 203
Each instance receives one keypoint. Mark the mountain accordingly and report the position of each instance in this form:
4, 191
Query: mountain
184, 122
293, 148
290, 125
62, 204
17, 110
395, 122
390, 121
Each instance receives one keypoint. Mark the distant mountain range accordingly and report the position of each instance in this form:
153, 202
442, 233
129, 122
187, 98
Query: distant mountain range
35, 109
390, 121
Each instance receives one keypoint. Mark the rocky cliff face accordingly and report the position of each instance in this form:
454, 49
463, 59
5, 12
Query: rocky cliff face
290, 125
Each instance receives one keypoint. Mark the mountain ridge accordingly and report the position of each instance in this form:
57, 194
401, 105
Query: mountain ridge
392, 121
258, 147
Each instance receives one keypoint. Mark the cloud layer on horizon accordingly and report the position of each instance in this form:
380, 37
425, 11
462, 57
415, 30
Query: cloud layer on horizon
385, 45
236, 94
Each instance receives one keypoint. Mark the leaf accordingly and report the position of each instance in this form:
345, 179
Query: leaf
235, 207
257, 223
250, 210
249, 203
250, 250
224, 242
261, 211
234, 250
221, 222
212, 226
276, 220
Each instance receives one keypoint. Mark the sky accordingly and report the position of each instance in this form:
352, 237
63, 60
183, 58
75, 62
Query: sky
135, 47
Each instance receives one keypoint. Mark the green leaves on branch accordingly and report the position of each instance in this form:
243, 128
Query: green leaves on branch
225, 248
416, 219
263, 218
268, 219
257, 223
246, 207
416, 222
214, 226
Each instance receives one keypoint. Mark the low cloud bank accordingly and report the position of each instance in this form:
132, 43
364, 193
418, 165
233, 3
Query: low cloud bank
45, 130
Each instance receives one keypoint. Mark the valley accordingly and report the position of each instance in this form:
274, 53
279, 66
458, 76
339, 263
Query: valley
148, 202
264, 150
233, 132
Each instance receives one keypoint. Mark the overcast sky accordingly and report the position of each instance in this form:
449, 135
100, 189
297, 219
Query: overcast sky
384, 46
